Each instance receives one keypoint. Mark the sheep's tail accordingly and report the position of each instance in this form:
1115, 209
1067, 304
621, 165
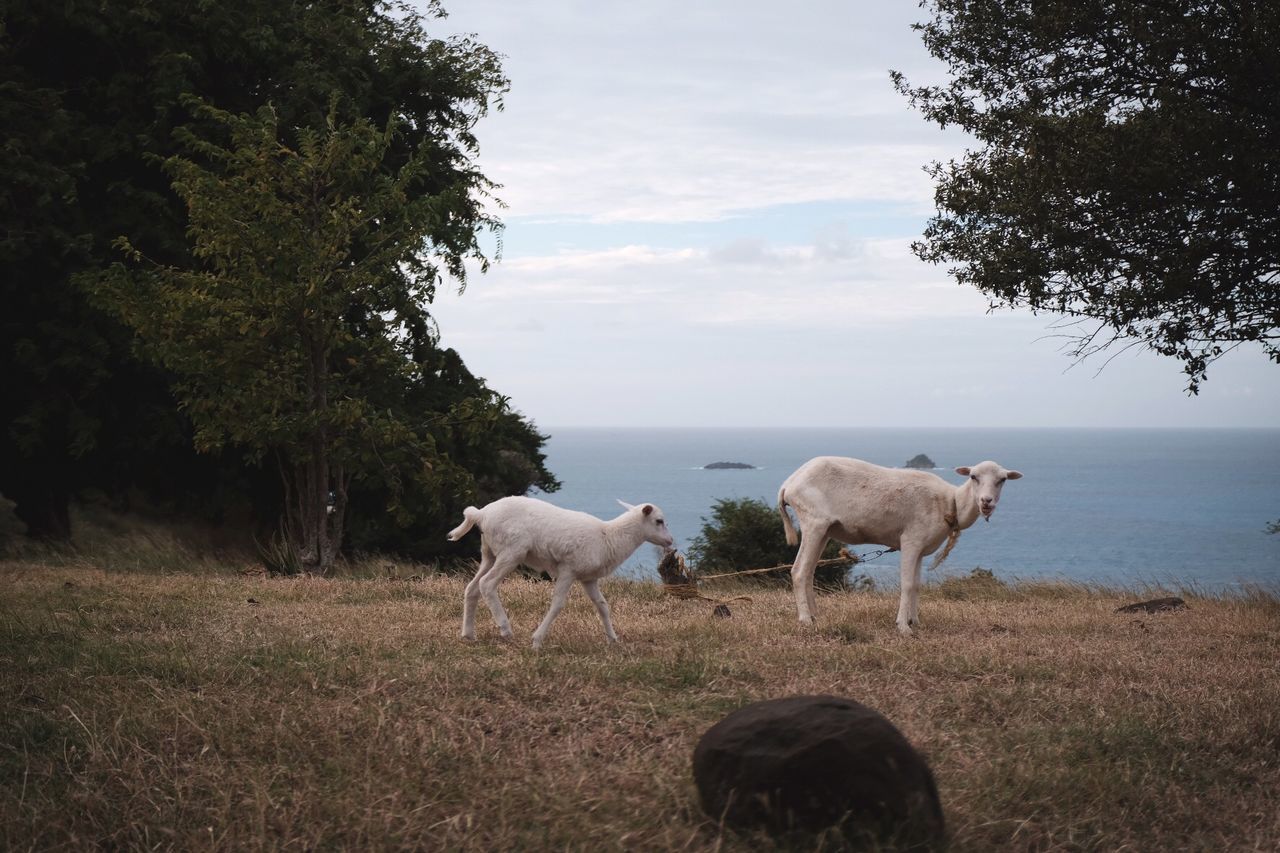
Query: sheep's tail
470, 516
787, 526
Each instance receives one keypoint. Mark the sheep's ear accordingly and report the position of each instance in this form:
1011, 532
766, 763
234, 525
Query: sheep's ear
648, 508
964, 472
624, 504
1013, 475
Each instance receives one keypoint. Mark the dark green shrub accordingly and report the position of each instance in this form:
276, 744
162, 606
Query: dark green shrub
747, 533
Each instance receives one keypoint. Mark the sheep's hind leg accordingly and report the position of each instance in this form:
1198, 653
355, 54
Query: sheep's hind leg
909, 596
502, 566
602, 607
564, 582
471, 597
811, 544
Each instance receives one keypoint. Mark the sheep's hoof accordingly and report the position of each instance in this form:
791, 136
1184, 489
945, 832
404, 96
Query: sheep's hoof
468, 638
905, 630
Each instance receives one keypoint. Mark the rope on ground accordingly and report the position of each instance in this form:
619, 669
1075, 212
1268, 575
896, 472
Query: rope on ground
846, 556
678, 582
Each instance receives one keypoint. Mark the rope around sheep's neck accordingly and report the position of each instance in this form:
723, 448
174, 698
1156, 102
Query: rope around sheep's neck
953, 521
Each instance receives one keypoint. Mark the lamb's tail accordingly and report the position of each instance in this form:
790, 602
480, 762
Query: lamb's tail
470, 516
787, 526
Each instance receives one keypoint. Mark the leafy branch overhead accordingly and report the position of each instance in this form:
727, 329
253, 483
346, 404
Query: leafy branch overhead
1126, 173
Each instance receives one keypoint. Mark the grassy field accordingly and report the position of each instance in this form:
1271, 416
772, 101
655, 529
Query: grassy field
208, 710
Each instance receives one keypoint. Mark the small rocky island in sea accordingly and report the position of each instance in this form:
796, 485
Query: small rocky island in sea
719, 466
920, 461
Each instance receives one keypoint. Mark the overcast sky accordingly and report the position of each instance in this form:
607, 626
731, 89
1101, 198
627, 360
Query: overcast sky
709, 213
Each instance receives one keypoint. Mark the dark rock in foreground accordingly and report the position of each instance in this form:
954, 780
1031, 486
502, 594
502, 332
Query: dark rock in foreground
805, 764
1155, 605
920, 461
718, 466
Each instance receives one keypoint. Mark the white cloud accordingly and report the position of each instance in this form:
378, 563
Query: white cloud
634, 115
747, 283
689, 112
794, 335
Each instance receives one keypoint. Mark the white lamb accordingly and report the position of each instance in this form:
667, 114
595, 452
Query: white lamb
570, 546
858, 503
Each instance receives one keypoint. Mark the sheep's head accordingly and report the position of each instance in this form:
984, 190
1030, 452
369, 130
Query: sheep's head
986, 479
655, 526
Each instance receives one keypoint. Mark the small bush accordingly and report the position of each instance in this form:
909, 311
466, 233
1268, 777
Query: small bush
747, 533
979, 585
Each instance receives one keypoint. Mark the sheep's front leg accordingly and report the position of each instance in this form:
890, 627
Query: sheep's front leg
909, 596
564, 582
811, 544
602, 607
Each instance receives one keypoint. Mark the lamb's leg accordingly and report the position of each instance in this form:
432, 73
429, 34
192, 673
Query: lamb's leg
472, 596
909, 596
564, 583
812, 542
503, 565
602, 607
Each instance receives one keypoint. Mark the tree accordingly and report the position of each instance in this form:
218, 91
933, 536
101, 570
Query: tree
747, 534
293, 329
1127, 174
55, 352
90, 96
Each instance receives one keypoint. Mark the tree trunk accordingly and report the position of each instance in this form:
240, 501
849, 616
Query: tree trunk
319, 487
315, 521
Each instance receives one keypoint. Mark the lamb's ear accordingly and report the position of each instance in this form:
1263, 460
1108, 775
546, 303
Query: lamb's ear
624, 504
1013, 475
648, 508
964, 472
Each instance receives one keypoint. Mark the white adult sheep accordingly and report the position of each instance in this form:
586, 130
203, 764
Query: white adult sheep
858, 503
570, 546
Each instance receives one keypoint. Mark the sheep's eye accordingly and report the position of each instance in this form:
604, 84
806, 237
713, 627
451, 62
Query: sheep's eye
1000, 482
973, 477
661, 522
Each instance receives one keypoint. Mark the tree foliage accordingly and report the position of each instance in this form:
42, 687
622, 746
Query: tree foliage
1126, 175
94, 97
289, 336
746, 533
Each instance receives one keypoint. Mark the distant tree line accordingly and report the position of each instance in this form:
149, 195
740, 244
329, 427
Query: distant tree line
221, 225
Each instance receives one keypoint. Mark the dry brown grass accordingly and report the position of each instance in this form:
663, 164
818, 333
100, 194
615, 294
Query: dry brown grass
197, 711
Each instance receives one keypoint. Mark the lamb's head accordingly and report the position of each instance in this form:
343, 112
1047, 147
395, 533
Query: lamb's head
653, 524
986, 479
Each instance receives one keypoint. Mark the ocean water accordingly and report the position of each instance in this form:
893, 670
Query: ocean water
1121, 507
